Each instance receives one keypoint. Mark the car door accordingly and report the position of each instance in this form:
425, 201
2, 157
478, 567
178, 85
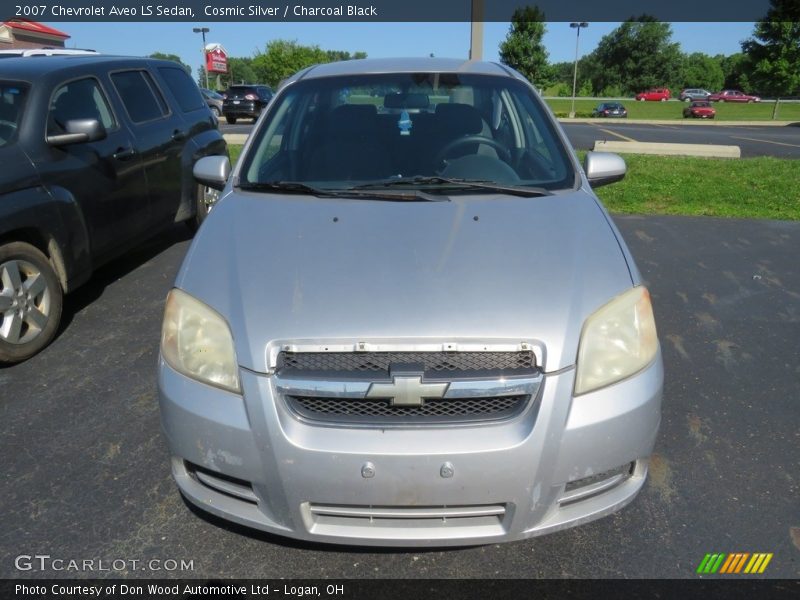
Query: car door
161, 135
105, 177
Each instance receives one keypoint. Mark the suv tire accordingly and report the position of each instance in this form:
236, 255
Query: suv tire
30, 301
231, 120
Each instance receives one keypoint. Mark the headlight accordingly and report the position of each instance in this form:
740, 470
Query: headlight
618, 340
196, 341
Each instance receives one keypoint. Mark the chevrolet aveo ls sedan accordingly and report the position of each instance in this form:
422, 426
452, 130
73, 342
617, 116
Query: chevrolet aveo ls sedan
409, 321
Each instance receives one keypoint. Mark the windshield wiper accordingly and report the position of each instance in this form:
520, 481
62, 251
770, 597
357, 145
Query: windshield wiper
483, 184
298, 187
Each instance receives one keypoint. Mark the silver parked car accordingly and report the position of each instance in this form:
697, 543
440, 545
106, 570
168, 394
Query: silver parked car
409, 321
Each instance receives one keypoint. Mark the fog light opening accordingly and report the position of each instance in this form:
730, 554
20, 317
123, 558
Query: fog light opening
223, 484
587, 487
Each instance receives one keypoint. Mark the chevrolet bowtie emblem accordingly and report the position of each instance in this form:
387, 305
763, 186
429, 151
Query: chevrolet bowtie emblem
407, 391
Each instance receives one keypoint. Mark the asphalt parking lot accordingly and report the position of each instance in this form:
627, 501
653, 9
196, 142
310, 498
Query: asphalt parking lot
86, 472
780, 142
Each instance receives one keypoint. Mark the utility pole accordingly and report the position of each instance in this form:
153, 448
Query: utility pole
476, 31
578, 27
203, 31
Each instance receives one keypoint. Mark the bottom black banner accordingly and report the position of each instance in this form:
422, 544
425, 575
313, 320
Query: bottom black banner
389, 589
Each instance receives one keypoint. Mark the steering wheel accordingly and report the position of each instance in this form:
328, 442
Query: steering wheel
502, 151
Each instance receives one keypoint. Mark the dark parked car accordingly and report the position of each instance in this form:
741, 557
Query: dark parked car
245, 102
97, 155
610, 109
699, 110
214, 101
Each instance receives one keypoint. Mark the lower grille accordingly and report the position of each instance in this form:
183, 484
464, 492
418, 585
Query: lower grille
377, 411
405, 522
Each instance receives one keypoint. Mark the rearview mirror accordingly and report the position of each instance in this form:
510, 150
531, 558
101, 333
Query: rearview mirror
212, 171
602, 168
78, 131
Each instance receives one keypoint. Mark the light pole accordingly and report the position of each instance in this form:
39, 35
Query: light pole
578, 27
203, 31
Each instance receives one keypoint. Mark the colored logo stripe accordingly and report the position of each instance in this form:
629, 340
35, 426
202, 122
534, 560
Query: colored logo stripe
758, 563
734, 563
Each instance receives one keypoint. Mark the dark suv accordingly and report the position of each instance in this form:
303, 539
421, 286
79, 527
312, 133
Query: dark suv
245, 101
97, 155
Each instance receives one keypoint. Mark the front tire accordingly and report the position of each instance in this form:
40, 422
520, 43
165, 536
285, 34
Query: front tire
215, 110
205, 199
30, 302
231, 120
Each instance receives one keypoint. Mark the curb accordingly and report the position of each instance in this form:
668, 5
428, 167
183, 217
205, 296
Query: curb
682, 122
706, 150
235, 138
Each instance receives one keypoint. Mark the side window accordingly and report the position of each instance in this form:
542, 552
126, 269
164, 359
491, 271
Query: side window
79, 99
183, 88
139, 94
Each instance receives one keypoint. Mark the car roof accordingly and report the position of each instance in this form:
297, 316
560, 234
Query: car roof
35, 66
376, 66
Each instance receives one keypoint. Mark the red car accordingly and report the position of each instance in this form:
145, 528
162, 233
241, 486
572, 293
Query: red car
733, 96
699, 110
654, 95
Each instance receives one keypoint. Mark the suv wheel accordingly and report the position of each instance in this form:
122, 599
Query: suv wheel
205, 199
215, 110
30, 301
231, 120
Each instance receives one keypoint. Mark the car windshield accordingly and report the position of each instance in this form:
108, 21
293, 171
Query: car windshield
12, 101
423, 130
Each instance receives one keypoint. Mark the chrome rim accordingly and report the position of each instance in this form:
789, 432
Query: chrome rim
24, 302
208, 197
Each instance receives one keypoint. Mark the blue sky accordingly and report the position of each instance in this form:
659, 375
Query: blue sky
377, 39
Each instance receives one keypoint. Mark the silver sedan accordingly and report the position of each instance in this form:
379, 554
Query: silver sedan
409, 321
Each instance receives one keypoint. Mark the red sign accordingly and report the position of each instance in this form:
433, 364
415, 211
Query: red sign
216, 59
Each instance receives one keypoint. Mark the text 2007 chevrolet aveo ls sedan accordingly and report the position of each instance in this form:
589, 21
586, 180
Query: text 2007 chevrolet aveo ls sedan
409, 321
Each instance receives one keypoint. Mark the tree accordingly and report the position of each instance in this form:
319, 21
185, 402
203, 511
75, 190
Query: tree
774, 51
735, 71
174, 57
283, 58
702, 71
637, 55
523, 49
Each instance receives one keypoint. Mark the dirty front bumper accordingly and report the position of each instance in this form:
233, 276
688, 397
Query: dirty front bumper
564, 461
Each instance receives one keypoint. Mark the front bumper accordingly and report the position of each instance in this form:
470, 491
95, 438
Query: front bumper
248, 459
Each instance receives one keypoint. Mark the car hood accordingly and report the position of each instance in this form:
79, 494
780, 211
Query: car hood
490, 267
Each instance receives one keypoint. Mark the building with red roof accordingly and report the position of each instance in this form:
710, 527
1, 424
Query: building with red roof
24, 33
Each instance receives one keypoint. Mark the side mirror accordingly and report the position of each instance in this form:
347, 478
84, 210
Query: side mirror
79, 131
603, 168
212, 171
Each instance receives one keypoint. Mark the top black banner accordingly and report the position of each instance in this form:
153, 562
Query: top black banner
208, 11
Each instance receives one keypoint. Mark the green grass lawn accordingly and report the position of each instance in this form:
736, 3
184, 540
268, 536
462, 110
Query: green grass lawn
763, 188
673, 109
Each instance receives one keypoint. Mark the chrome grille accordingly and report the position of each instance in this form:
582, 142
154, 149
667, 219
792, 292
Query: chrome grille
375, 411
432, 362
